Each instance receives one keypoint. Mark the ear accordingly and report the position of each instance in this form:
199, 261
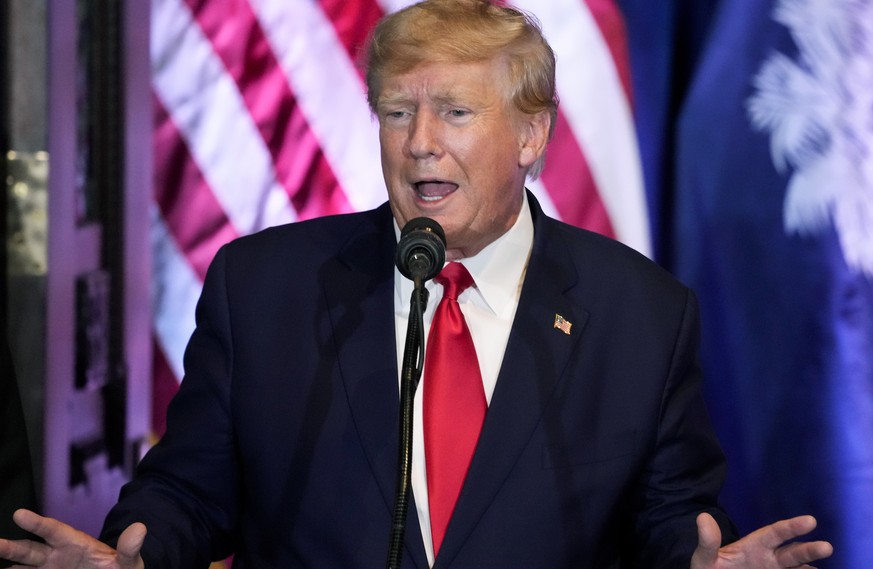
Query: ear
533, 137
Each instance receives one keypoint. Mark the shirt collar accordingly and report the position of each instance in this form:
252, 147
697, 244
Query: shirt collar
497, 270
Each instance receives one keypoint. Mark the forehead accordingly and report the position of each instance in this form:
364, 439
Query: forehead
483, 81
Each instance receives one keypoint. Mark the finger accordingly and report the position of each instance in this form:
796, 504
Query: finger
799, 554
708, 533
24, 518
129, 545
51, 530
776, 534
708, 542
24, 551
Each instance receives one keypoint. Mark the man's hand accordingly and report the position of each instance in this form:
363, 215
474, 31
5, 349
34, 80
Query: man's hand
68, 548
765, 548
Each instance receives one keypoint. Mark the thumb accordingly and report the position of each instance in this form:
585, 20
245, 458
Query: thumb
129, 545
708, 542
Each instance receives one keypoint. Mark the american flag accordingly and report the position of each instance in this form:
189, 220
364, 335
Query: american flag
261, 119
563, 324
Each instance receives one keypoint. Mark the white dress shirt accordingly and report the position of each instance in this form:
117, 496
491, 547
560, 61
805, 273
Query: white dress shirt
489, 308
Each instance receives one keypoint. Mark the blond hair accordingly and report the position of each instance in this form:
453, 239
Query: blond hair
467, 31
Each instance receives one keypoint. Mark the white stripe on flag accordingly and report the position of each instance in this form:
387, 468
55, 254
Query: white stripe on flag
206, 107
330, 93
539, 190
389, 6
175, 290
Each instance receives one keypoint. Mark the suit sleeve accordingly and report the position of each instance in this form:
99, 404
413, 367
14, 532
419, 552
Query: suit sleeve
186, 489
17, 489
687, 468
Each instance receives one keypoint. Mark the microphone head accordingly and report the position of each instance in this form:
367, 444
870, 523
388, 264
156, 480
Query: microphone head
421, 251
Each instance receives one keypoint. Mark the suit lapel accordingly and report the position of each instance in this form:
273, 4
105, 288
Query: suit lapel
535, 357
359, 289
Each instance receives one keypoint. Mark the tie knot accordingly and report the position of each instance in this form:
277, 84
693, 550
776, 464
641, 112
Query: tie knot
455, 279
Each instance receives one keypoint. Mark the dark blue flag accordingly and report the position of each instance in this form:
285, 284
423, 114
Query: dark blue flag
772, 202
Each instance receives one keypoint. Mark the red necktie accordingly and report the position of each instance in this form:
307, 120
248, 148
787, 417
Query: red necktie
454, 401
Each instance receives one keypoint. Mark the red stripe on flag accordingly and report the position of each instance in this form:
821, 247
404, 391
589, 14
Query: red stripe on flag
298, 159
352, 20
568, 180
611, 23
180, 190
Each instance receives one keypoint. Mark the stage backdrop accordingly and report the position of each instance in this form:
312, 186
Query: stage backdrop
747, 122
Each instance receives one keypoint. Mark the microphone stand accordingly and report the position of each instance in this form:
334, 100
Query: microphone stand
413, 362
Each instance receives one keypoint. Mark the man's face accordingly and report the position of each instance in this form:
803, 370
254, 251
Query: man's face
453, 149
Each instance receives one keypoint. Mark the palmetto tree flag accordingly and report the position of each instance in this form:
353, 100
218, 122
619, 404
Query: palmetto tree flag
774, 230
261, 119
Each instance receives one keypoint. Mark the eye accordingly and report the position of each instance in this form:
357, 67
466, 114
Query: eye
394, 117
459, 113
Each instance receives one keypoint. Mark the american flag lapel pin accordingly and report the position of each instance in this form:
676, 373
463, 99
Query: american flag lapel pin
563, 324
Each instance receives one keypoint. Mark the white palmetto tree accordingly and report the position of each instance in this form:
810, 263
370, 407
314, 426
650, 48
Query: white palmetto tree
818, 110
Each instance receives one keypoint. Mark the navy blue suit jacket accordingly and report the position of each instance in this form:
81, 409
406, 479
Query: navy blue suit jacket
16, 475
281, 446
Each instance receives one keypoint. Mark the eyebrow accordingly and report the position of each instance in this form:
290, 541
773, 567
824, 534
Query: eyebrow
453, 98
392, 100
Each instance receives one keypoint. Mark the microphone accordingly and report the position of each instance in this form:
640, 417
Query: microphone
421, 251
420, 255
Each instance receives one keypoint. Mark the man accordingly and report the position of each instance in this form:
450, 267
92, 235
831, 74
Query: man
281, 447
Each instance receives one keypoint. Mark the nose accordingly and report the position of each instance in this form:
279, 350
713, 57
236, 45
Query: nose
423, 138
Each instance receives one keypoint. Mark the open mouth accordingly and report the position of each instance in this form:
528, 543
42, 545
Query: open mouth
433, 190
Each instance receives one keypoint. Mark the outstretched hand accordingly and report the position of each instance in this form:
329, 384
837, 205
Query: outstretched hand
770, 547
66, 547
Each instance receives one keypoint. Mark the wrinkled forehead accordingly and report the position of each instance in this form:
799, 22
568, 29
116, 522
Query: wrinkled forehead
447, 79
